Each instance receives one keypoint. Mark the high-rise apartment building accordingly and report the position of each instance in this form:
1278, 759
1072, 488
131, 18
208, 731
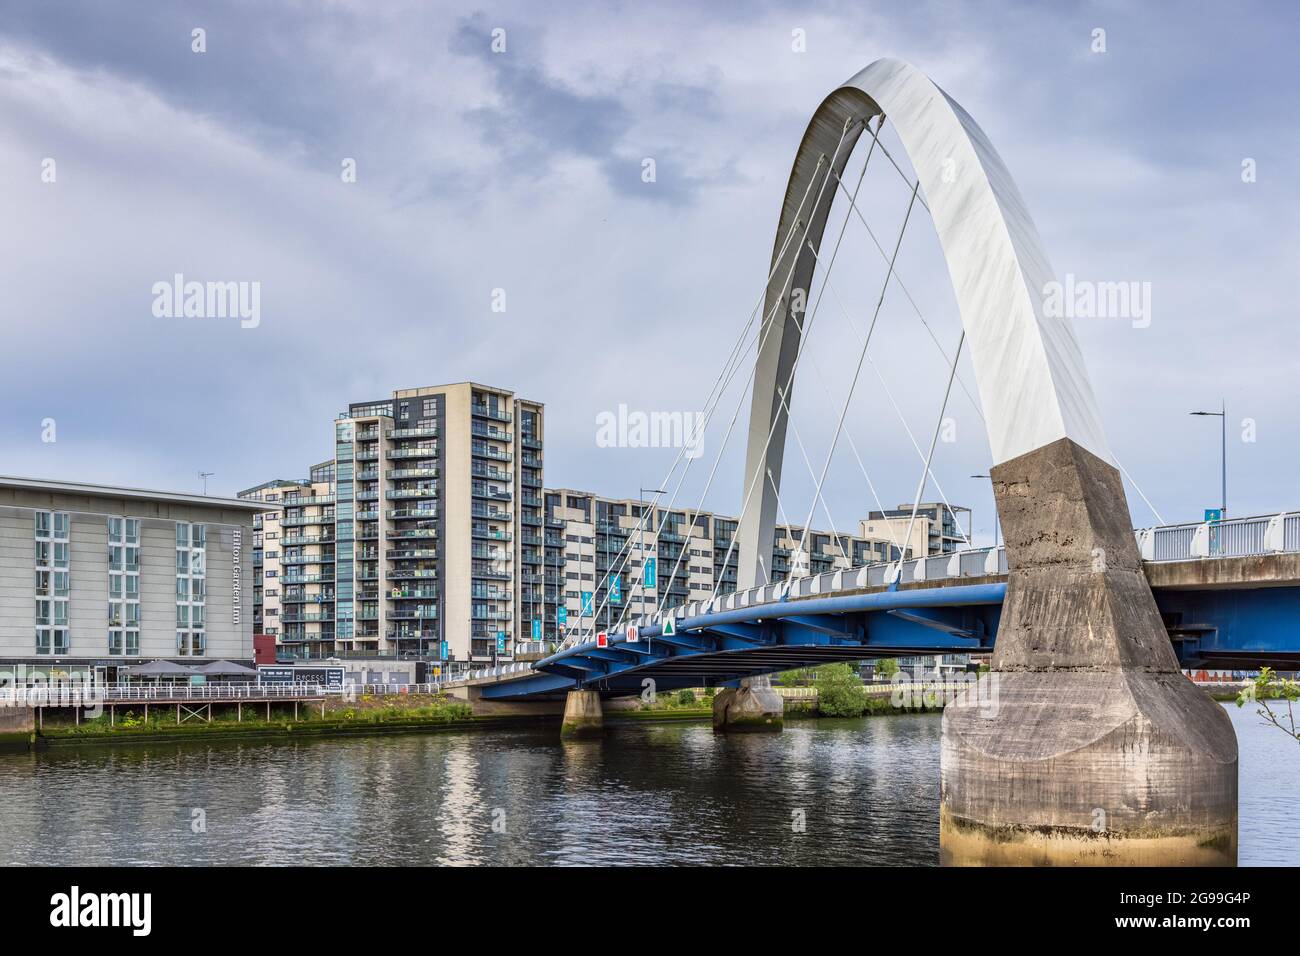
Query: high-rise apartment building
426, 536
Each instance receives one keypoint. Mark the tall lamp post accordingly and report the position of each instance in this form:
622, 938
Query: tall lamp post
996, 539
1222, 413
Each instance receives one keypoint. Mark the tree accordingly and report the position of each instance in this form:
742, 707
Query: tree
839, 692
1265, 688
887, 667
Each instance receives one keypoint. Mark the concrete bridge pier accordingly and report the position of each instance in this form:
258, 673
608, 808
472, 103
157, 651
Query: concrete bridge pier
583, 716
753, 706
1089, 746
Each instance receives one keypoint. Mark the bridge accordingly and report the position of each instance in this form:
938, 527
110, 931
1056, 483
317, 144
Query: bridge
1228, 592
1099, 750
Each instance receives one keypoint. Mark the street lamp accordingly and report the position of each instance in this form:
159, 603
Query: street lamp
995, 511
1222, 413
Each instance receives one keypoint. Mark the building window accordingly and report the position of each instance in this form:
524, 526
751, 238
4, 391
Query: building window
124, 586
191, 589
52, 582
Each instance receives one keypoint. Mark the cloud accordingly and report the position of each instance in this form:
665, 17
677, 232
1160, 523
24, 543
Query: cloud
522, 171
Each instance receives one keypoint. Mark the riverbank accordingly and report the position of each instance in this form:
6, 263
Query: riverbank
368, 715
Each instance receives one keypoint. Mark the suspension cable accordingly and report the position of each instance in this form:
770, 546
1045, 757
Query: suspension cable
934, 440
844, 410
763, 332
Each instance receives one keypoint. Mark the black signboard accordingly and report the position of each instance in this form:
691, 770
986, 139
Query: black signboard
328, 677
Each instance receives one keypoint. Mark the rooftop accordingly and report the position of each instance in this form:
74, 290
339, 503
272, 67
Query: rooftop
113, 491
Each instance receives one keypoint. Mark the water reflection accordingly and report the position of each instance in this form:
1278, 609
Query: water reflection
857, 792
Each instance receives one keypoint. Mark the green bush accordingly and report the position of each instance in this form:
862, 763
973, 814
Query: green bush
839, 692
686, 697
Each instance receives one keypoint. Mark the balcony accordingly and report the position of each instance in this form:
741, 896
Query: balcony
489, 535
407, 514
408, 633
409, 593
307, 617
300, 500
490, 494
420, 431
307, 579
479, 430
418, 613
288, 540
492, 514
405, 574
489, 472
413, 533
486, 411
369, 474
399, 454
397, 474
297, 559
371, 454
368, 434
411, 554
325, 597
413, 493
490, 594
366, 515
483, 451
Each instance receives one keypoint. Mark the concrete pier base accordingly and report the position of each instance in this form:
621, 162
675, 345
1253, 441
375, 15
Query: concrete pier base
754, 706
582, 714
1088, 746
17, 727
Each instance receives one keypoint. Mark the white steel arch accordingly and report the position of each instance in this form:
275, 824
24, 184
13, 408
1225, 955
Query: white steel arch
1032, 382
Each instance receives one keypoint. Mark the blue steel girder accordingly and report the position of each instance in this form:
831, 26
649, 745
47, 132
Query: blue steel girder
784, 634
1227, 626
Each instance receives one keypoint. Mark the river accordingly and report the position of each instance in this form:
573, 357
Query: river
858, 792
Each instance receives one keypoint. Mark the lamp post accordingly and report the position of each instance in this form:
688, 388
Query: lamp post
995, 511
1222, 414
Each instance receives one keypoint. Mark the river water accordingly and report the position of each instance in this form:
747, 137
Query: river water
860, 792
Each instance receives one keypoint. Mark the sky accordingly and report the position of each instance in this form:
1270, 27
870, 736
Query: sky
517, 176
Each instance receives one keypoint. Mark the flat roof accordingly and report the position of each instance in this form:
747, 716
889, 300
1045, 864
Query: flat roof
113, 491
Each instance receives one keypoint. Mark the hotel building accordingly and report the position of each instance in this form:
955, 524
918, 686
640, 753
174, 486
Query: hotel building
94, 577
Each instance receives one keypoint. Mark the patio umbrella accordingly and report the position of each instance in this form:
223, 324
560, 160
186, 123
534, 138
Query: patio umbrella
161, 669
227, 669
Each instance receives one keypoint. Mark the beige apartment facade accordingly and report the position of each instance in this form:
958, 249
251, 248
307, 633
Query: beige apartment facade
605, 564
426, 540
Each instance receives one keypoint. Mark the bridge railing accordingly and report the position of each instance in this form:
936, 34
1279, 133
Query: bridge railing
144, 693
1235, 537
1231, 538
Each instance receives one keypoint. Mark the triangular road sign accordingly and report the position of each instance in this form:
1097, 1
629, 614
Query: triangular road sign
670, 628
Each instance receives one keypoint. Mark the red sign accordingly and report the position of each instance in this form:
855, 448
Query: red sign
602, 639
633, 634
